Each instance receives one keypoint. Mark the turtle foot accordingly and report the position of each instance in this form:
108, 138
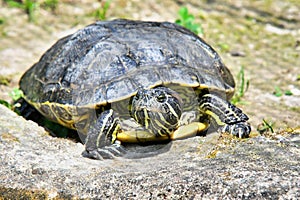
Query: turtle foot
240, 129
107, 152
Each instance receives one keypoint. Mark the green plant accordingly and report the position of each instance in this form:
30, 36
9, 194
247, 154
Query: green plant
265, 126
3, 34
4, 80
100, 13
224, 47
187, 20
278, 92
15, 94
5, 103
51, 4
242, 87
2, 21
29, 6
288, 93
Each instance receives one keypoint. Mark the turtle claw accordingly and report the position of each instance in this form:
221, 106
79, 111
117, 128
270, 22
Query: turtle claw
240, 129
107, 152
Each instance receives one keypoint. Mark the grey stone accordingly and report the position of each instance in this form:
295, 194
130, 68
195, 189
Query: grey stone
36, 165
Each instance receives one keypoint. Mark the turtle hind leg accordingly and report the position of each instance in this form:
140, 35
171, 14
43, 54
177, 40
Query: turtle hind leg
227, 116
101, 141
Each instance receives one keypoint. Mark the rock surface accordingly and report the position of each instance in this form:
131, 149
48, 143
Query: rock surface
36, 165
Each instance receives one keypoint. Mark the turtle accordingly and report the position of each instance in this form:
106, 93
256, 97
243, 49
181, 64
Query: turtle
127, 81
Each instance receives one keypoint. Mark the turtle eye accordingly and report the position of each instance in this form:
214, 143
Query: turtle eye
161, 98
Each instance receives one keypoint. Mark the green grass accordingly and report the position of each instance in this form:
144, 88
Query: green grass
4, 80
224, 47
278, 92
2, 20
15, 94
6, 104
187, 20
29, 6
50, 4
241, 88
265, 127
3, 34
100, 14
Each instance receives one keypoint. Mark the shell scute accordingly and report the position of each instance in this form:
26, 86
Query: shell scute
108, 61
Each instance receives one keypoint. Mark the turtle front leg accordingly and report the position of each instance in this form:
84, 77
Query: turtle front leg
230, 118
101, 142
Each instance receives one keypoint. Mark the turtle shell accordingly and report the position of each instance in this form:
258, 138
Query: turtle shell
109, 60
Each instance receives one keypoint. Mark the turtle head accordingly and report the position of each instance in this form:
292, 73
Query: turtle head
158, 109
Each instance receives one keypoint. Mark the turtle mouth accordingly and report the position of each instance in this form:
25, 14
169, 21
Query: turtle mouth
145, 108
